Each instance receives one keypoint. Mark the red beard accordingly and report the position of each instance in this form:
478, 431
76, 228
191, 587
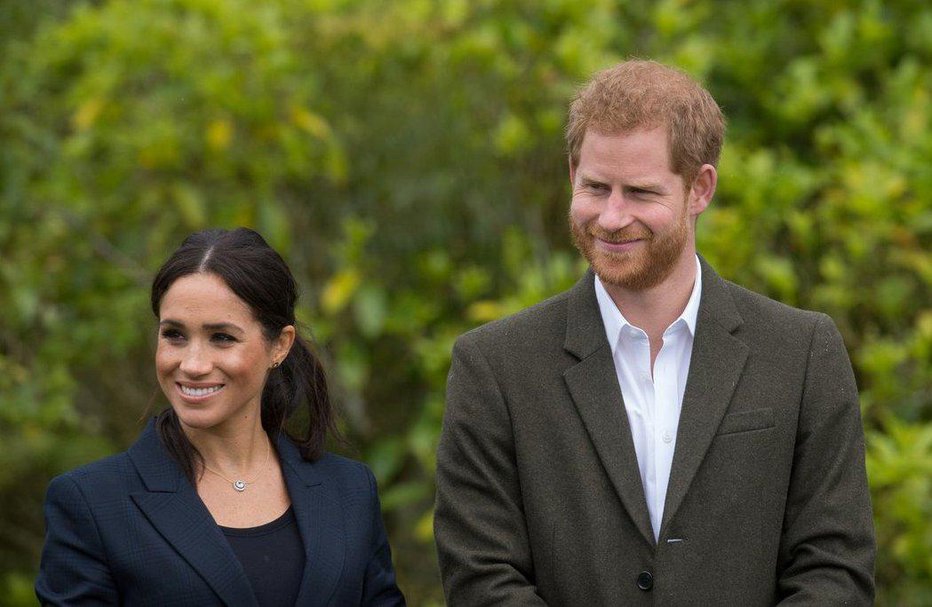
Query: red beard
638, 270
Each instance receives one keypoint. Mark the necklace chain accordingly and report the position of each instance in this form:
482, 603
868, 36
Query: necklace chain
239, 484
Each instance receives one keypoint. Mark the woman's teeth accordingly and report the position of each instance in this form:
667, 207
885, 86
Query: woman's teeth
199, 391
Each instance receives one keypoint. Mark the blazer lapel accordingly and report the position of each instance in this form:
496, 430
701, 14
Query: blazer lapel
320, 522
593, 385
716, 364
173, 507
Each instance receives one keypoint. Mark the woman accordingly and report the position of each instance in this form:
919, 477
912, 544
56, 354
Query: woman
216, 504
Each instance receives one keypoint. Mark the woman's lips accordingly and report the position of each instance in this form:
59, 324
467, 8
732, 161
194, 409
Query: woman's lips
198, 393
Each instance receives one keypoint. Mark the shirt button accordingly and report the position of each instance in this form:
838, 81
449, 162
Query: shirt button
667, 437
645, 581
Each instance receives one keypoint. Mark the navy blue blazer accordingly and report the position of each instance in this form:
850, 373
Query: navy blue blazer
131, 530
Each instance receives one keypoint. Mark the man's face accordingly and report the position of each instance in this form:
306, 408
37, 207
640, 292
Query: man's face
630, 215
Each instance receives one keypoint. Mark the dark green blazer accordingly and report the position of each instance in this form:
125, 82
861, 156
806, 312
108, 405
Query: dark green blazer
539, 498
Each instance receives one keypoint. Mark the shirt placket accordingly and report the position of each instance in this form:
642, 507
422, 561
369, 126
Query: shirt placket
649, 398
664, 407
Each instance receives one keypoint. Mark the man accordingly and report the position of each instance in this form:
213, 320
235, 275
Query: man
655, 435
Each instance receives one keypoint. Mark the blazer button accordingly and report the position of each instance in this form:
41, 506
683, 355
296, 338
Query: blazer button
645, 581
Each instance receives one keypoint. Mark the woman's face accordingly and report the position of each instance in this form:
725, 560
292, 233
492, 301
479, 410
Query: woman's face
212, 359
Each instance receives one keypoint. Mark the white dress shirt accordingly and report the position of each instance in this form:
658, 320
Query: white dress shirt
652, 400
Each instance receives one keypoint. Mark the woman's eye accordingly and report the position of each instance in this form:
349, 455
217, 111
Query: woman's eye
224, 338
171, 334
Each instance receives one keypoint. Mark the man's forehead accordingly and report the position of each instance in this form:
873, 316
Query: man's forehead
648, 148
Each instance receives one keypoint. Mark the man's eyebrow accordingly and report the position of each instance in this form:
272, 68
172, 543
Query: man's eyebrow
583, 178
654, 187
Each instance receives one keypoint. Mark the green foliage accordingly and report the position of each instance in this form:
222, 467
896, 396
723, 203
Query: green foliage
406, 158
900, 469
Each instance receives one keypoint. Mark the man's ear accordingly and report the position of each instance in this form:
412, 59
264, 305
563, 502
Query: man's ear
569, 161
702, 189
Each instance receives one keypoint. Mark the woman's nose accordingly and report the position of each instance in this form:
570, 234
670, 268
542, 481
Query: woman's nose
195, 360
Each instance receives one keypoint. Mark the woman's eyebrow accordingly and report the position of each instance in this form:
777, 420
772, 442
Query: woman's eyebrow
211, 326
222, 326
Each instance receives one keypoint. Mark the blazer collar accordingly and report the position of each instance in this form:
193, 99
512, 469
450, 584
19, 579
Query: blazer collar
320, 520
593, 385
585, 332
172, 506
158, 471
716, 303
717, 361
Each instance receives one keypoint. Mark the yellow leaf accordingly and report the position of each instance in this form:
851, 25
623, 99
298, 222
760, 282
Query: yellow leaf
485, 311
339, 290
87, 113
219, 134
924, 323
310, 122
424, 530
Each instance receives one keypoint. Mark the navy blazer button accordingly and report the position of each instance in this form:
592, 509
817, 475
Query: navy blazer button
645, 581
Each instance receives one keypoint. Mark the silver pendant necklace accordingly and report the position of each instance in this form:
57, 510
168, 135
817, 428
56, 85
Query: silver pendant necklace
239, 484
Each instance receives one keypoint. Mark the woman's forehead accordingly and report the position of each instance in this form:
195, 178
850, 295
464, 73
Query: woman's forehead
204, 295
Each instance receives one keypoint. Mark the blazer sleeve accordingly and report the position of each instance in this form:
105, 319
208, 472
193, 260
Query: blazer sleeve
827, 547
73, 569
479, 526
380, 588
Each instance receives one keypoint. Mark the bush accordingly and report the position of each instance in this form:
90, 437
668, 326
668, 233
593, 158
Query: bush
406, 158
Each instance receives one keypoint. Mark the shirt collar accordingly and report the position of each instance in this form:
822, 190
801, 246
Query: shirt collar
614, 321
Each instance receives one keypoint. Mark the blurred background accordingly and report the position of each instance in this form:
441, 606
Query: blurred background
406, 158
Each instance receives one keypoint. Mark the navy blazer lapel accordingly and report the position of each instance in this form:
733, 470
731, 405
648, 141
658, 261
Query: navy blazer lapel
320, 521
173, 507
718, 359
593, 384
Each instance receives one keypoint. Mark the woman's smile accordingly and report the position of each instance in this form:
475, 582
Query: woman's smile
198, 393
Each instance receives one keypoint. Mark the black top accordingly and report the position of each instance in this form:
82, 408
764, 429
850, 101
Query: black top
273, 557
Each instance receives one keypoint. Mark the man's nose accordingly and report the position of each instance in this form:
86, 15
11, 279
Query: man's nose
617, 212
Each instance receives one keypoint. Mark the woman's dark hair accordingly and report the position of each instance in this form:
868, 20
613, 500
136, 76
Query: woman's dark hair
261, 278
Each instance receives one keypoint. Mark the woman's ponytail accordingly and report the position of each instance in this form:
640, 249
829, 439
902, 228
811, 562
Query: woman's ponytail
299, 380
